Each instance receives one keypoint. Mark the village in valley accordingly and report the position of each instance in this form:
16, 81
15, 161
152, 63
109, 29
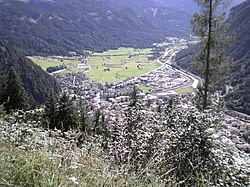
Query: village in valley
155, 88
108, 82
125, 93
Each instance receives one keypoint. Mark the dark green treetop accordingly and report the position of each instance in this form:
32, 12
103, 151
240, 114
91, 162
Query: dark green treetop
84, 120
51, 111
134, 96
67, 116
15, 96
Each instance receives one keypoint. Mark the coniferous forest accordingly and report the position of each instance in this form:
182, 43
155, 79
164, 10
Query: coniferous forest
37, 83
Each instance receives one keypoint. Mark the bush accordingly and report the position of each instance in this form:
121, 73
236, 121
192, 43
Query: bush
2, 111
55, 68
174, 146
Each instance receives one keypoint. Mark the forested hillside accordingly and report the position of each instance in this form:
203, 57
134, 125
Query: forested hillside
189, 6
36, 82
57, 27
240, 70
239, 75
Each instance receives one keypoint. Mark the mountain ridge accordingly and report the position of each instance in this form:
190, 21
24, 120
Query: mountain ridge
57, 27
239, 99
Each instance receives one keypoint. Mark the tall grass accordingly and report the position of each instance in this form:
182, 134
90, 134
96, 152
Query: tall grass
19, 167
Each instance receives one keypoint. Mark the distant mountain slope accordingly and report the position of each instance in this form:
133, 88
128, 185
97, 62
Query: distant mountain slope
56, 26
240, 70
37, 82
188, 6
37, 32
240, 51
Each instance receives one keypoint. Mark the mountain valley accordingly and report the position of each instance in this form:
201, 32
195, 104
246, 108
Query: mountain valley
127, 93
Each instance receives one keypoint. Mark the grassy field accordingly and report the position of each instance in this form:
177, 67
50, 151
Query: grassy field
124, 52
144, 88
116, 65
109, 66
186, 90
46, 62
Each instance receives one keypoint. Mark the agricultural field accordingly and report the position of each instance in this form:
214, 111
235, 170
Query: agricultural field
45, 62
185, 90
116, 65
125, 52
145, 89
109, 66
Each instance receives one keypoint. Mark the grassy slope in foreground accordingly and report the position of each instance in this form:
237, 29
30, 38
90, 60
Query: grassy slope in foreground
20, 167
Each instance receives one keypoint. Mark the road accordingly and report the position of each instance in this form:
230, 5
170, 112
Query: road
168, 63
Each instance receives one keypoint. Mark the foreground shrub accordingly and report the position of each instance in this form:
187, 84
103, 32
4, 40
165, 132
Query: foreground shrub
174, 146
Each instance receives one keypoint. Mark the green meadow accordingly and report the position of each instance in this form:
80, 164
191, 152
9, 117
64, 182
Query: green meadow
124, 52
185, 90
109, 66
144, 88
116, 65
46, 62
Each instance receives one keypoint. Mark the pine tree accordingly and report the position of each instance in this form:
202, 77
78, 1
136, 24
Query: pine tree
100, 127
103, 130
51, 111
2, 85
211, 27
15, 96
134, 96
84, 121
67, 116
96, 121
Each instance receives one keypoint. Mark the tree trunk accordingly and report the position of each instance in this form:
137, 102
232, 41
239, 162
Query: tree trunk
205, 99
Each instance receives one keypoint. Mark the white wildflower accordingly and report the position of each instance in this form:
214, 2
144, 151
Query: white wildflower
74, 180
